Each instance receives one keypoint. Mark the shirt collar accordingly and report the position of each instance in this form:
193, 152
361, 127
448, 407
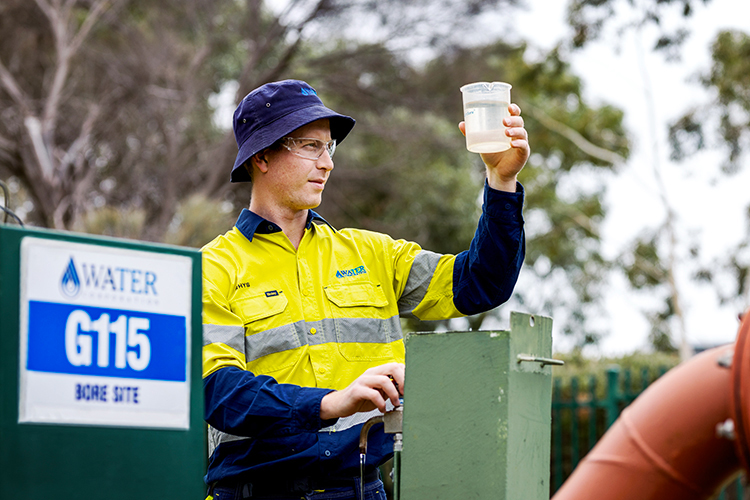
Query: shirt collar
250, 223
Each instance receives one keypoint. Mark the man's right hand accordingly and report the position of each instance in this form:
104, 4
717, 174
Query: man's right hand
369, 391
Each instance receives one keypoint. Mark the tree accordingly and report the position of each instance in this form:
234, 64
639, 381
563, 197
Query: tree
43, 139
102, 108
106, 103
589, 19
154, 163
724, 124
659, 253
729, 77
414, 177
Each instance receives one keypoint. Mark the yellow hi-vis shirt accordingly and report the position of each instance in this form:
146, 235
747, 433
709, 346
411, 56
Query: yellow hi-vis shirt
319, 315
283, 327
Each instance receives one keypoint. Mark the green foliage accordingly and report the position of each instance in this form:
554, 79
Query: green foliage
405, 169
643, 368
645, 269
588, 18
686, 137
155, 158
198, 221
722, 123
642, 265
730, 76
109, 221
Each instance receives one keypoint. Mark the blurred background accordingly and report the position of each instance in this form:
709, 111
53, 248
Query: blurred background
115, 119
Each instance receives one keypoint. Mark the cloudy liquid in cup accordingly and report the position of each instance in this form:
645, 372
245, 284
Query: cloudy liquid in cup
485, 132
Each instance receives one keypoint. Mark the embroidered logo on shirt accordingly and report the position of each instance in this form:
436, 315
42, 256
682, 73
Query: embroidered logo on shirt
272, 293
242, 285
343, 273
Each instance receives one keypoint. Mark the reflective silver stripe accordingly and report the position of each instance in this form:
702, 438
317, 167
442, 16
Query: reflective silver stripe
282, 338
418, 281
287, 337
351, 330
343, 330
324, 331
233, 336
216, 437
368, 330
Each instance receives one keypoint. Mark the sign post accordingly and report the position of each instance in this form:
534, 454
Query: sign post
100, 379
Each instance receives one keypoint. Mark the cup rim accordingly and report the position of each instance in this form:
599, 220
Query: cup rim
486, 86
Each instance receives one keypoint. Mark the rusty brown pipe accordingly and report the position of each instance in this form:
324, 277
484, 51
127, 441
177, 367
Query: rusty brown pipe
665, 444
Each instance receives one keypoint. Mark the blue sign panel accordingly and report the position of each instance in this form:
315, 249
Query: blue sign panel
85, 340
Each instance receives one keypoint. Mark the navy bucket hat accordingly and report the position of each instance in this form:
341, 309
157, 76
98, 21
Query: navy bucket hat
272, 111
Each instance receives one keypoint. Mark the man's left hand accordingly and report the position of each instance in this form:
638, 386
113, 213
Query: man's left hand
503, 167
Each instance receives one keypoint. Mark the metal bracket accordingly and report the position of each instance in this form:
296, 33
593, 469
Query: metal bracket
725, 360
394, 421
543, 361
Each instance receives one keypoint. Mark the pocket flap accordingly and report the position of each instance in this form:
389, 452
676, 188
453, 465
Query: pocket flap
356, 294
261, 306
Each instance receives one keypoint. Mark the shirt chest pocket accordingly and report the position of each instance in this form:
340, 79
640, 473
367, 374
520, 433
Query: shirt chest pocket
362, 320
271, 341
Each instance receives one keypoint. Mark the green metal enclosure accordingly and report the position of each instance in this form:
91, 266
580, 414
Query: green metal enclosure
477, 413
100, 368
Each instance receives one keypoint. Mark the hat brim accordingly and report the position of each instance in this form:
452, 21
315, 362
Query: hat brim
266, 136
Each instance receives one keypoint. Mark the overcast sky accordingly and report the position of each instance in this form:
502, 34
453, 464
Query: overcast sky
710, 206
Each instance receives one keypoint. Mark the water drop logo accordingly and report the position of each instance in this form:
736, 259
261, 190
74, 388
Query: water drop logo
70, 284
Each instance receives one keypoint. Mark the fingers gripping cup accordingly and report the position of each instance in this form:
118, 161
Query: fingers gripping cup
485, 107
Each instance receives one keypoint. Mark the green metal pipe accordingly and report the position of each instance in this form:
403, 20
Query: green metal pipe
397, 447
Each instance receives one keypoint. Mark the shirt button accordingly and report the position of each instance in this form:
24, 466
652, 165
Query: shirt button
328, 453
270, 227
313, 331
321, 370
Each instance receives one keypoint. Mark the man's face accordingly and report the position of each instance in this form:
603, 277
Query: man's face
297, 183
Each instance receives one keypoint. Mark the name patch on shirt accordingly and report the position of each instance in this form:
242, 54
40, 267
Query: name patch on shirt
344, 273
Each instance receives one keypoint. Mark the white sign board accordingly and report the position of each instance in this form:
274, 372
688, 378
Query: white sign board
105, 335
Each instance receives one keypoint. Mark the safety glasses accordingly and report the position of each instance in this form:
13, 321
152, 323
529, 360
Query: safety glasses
308, 148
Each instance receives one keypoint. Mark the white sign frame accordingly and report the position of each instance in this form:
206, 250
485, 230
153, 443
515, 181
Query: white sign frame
122, 356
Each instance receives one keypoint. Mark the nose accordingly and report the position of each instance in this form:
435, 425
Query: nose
325, 161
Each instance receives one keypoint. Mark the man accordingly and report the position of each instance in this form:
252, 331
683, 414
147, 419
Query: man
302, 338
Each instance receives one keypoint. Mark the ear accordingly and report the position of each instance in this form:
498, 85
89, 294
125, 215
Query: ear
258, 160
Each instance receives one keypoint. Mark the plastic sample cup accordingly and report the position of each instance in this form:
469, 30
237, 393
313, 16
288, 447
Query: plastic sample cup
485, 107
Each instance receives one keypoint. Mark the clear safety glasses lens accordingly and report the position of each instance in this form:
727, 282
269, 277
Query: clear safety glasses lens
311, 149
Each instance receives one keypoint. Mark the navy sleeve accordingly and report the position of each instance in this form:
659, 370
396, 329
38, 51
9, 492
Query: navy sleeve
484, 276
240, 403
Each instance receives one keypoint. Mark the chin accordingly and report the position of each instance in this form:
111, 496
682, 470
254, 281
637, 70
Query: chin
309, 204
